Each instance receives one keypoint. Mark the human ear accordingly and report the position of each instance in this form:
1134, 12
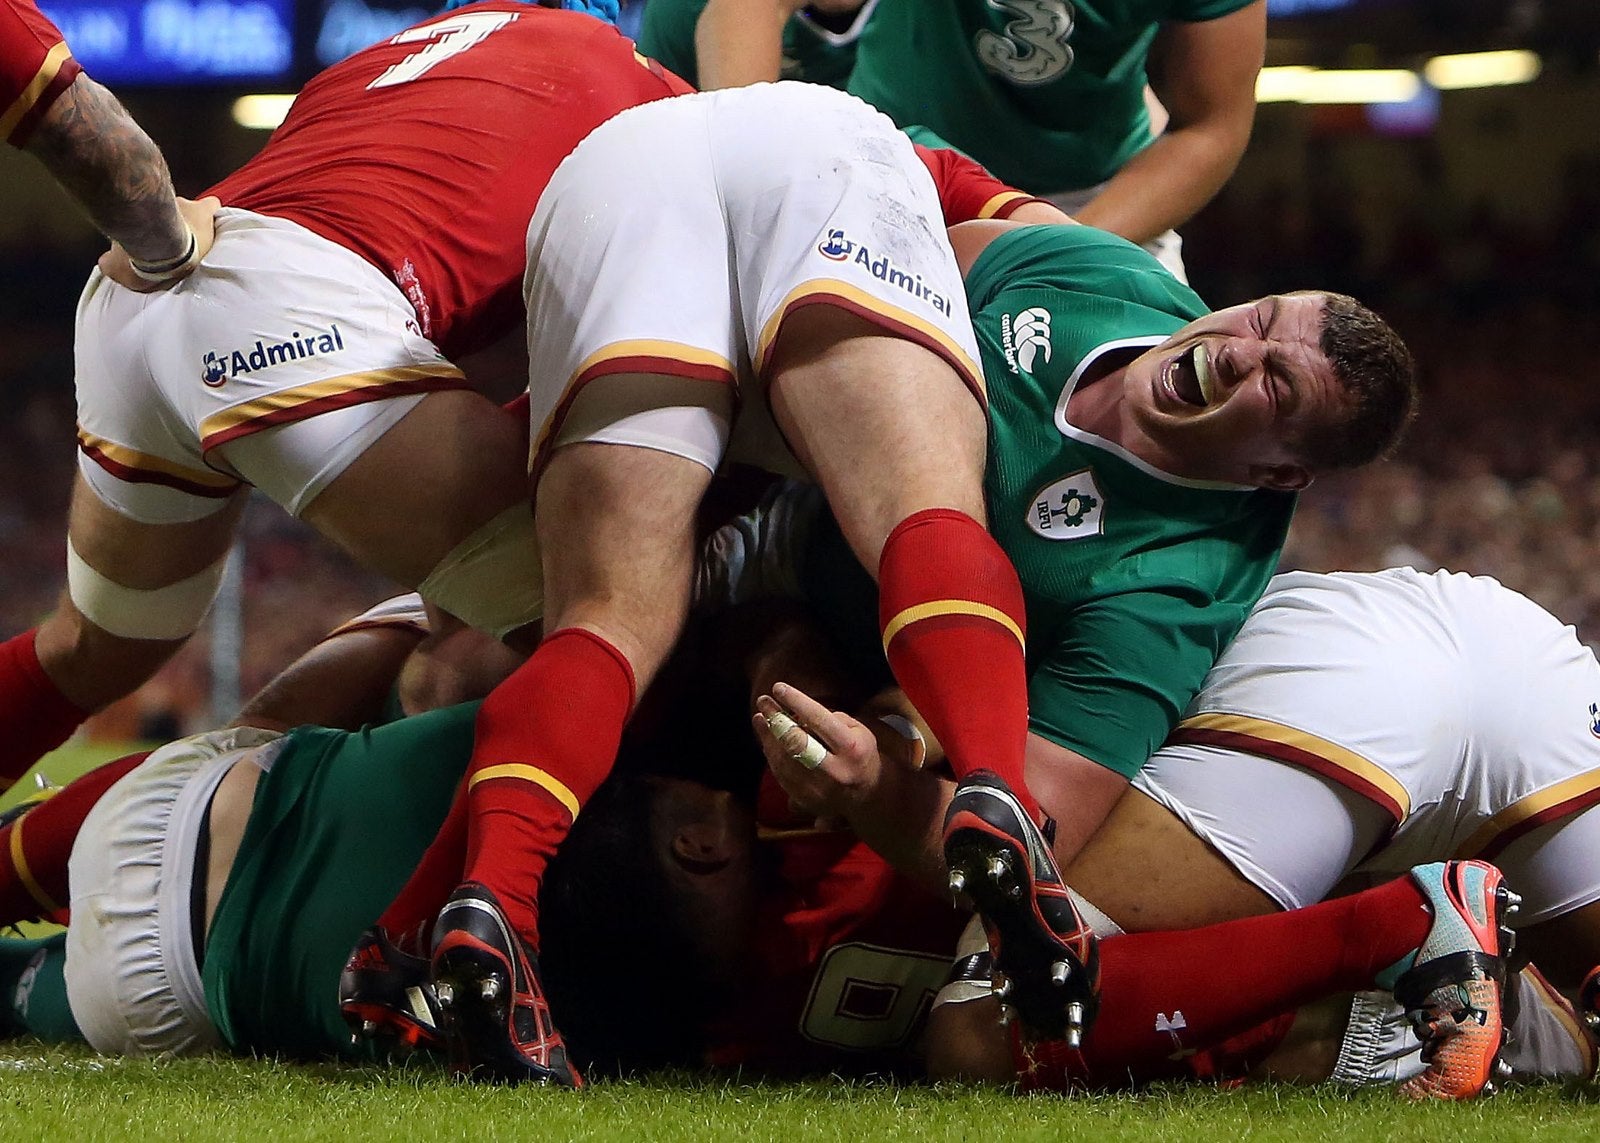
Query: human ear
702, 847
1279, 477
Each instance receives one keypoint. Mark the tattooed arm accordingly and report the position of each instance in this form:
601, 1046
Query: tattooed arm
101, 156
95, 149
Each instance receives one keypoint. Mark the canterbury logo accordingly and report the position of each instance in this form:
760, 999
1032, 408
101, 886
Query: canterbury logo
1024, 338
1033, 49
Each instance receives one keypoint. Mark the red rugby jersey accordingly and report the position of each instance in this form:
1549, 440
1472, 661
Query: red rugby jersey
426, 153
849, 956
967, 191
35, 68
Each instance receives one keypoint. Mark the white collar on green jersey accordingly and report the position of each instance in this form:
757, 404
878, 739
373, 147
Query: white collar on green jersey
838, 39
1070, 430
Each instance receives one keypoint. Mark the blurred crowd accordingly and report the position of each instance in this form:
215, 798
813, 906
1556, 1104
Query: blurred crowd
1499, 476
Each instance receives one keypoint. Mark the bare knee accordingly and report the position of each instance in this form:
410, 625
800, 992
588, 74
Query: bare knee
886, 425
89, 665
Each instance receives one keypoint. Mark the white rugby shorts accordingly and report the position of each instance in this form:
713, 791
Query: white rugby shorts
132, 980
674, 241
276, 364
1378, 721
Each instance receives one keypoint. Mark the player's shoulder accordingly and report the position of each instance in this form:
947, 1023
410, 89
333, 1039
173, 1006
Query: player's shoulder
1073, 261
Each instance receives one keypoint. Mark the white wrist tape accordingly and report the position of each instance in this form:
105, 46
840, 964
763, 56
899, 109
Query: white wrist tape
171, 612
492, 580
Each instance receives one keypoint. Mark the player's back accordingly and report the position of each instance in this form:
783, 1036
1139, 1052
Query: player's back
426, 153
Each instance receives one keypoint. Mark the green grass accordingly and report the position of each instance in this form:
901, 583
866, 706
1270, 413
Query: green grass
63, 765
67, 1094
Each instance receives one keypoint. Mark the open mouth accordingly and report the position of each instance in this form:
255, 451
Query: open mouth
1190, 379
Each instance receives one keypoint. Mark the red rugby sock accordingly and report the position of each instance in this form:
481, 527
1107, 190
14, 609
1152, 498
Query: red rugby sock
1166, 995
951, 611
34, 848
546, 738
36, 715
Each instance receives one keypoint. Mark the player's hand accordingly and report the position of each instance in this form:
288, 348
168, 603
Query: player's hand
201, 215
826, 761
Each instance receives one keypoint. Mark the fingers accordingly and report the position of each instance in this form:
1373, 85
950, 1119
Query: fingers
201, 215
114, 264
799, 744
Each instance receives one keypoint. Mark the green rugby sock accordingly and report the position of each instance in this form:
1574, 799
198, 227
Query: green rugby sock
33, 990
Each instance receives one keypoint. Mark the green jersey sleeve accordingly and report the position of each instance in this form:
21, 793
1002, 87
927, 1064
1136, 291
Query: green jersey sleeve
667, 35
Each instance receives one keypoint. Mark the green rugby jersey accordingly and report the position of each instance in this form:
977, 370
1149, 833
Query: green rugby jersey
1135, 580
810, 52
1048, 94
337, 826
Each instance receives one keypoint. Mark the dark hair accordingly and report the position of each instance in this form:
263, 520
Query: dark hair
626, 984
1379, 379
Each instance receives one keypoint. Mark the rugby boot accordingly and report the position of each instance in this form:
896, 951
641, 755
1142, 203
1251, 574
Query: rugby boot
1453, 991
1589, 1001
1046, 962
497, 1022
43, 791
386, 996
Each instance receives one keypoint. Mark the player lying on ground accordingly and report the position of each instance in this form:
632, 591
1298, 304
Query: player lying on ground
291, 859
1124, 419
1356, 727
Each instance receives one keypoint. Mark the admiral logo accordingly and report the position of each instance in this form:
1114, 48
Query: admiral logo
217, 366
1068, 509
836, 247
1594, 719
1024, 337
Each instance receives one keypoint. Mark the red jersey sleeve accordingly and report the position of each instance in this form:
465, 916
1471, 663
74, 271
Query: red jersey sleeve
35, 68
966, 190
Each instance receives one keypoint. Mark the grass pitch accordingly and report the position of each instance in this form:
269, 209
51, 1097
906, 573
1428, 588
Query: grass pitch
51, 1093
57, 1093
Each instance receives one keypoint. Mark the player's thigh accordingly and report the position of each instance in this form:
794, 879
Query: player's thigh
616, 525
1147, 871
145, 555
1289, 832
135, 591
453, 463
1556, 870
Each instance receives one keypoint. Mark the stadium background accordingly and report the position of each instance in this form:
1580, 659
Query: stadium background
1469, 216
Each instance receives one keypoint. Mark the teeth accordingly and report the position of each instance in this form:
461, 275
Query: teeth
1202, 372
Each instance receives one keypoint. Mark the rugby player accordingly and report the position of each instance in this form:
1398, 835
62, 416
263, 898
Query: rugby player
220, 918
1053, 96
1356, 727
1143, 461
378, 235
